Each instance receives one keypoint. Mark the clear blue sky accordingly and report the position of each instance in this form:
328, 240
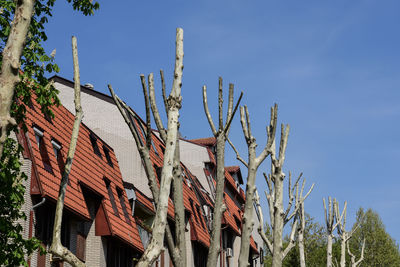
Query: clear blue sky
332, 66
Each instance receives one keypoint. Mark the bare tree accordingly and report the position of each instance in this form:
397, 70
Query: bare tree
252, 165
343, 234
171, 165
221, 136
355, 263
9, 76
56, 248
331, 226
278, 216
301, 217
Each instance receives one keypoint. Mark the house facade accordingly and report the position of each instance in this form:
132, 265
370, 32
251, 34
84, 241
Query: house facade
97, 224
106, 126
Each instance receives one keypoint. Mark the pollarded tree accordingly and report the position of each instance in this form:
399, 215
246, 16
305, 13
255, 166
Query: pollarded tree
171, 164
221, 136
279, 216
23, 66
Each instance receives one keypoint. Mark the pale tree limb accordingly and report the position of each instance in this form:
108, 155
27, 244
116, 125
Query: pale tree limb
221, 135
161, 194
301, 217
156, 114
253, 163
355, 263
238, 157
330, 227
11, 61
343, 234
144, 152
56, 248
300, 236
261, 230
156, 244
164, 95
291, 238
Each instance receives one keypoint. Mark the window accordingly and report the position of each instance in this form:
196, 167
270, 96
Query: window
194, 211
58, 155
107, 153
199, 214
154, 147
257, 211
122, 202
111, 196
93, 140
42, 148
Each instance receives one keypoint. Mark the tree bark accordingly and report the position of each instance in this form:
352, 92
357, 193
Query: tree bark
156, 244
300, 237
330, 216
9, 76
221, 136
56, 247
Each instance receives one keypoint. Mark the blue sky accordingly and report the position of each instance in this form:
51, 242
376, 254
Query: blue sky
333, 67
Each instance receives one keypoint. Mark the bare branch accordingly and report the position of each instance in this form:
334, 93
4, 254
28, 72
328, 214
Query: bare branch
122, 107
164, 95
56, 247
220, 103
238, 157
147, 106
230, 103
207, 111
261, 225
244, 125
156, 113
229, 121
283, 143
248, 121
291, 239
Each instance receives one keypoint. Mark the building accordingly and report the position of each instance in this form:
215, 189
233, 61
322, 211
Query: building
103, 118
97, 226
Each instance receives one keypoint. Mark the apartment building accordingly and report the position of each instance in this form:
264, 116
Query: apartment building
97, 226
104, 119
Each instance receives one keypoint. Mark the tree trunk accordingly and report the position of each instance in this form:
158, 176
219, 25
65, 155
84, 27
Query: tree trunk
343, 250
9, 76
56, 247
219, 206
247, 221
329, 251
277, 256
179, 211
300, 237
156, 244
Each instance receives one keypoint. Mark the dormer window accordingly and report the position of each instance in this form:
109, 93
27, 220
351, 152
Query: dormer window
42, 148
108, 157
122, 202
93, 140
111, 196
58, 155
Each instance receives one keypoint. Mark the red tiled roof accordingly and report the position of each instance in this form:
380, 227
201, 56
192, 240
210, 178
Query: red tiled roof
232, 212
232, 169
253, 245
88, 169
145, 201
209, 141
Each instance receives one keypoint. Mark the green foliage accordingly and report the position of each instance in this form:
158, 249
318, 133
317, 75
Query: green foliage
13, 246
380, 248
35, 64
314, 243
